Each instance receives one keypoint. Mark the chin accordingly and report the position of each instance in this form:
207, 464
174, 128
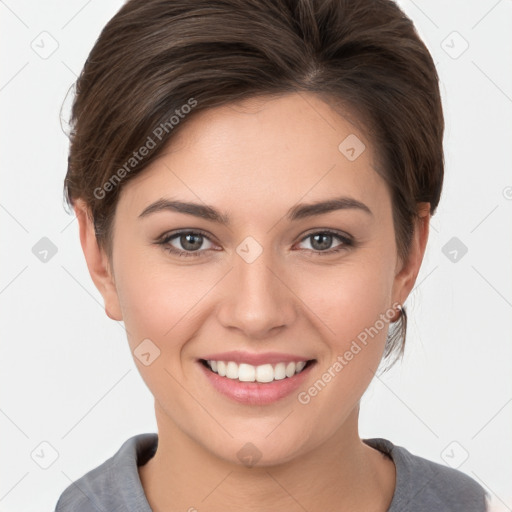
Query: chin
252, 451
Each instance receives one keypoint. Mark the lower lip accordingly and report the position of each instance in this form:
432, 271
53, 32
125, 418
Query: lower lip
256, 393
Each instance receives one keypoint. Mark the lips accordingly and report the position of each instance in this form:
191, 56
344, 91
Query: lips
255, 379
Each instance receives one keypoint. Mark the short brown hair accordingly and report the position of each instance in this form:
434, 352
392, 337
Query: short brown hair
156, 56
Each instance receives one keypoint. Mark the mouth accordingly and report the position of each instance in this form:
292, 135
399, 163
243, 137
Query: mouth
263, 373
261, 384
255, 378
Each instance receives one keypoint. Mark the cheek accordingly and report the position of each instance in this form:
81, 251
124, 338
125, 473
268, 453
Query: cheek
349, 297
157, 303
166, 304
153, 294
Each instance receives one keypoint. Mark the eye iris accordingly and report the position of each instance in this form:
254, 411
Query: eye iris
189, 245
325, 245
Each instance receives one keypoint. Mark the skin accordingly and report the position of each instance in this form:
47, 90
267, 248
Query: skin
255, 160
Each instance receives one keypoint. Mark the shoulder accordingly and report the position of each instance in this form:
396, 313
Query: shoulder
114, 484
424, 485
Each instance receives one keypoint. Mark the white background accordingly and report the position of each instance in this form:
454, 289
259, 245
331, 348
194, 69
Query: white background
67, 375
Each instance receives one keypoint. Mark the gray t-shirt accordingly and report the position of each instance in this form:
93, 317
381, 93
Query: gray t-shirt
421, 485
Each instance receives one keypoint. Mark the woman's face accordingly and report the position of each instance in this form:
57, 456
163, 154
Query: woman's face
269, 285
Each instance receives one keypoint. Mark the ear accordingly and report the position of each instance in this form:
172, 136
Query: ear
407, 274
97, 261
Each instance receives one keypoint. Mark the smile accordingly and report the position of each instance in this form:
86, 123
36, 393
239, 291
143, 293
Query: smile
263, 373
256, 378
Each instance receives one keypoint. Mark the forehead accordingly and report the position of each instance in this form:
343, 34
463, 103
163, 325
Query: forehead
285, 149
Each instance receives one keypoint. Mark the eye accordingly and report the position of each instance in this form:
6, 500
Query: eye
322, 240
190, 241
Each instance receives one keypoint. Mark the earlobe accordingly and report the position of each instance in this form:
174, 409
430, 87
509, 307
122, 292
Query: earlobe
406, 277
97, 261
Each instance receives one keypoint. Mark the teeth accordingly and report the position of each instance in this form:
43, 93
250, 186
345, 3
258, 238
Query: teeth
264, 373
290, 369
279, 371
249, 373
232, 370
299, 366
246, 372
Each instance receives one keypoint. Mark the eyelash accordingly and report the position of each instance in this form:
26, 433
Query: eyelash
347, 242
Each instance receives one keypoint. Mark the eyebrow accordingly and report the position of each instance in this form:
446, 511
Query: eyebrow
295, 213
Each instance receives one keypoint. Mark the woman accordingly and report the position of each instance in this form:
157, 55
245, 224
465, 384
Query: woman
253, 182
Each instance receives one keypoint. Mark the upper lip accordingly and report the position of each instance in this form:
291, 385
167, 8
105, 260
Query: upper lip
255, 359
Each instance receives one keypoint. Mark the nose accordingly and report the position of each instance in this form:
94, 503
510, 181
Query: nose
258, 299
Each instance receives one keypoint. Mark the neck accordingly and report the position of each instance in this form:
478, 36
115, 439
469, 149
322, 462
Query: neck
342, 473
